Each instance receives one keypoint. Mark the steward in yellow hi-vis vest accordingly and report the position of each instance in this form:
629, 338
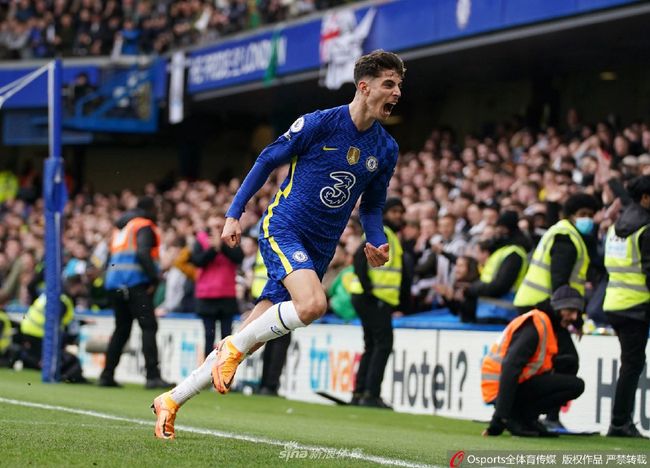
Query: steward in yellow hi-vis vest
33, 324
496, 260
490, 297
521, 375
5, 332
387, 279
561, 256
259, 276
32, 331
627, 298
627, 286
8, 186
376, 294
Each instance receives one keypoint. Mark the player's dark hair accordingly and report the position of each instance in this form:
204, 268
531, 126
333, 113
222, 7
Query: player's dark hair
376, 62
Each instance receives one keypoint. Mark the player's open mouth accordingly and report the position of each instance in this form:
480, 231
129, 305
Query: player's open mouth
388, 108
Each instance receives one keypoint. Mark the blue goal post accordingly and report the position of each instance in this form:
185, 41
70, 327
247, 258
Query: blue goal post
55, 197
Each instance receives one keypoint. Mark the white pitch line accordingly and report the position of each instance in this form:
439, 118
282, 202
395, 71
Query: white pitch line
226, 435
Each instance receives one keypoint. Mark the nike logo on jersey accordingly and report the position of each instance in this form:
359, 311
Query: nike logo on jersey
329, 148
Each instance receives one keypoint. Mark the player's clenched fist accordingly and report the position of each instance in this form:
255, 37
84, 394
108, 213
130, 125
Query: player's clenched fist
231, 234
376, 256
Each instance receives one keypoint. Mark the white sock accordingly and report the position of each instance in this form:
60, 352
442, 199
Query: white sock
276, 321
198, 380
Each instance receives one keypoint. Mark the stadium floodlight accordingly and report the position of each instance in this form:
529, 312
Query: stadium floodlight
55, 196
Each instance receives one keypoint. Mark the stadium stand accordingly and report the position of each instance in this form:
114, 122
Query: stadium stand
520, 170
93, 28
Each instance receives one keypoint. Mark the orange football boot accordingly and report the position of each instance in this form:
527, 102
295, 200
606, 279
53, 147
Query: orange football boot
165, 410
228, 359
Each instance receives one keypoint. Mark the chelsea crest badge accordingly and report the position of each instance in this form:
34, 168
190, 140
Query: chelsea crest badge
372, 164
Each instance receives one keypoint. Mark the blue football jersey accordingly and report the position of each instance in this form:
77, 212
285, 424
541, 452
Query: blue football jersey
332, 165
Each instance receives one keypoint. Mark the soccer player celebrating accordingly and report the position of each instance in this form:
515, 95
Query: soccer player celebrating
336, 155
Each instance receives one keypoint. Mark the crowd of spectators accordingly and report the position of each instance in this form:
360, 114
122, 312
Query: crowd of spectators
456, 194
90, 28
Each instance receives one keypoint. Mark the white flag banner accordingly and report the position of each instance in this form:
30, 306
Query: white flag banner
341, 44
176, 87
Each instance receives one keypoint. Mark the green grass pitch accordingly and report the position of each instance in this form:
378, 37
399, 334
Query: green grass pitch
234, 430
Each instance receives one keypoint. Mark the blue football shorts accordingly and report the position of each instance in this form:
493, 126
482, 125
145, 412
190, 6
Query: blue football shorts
283, 253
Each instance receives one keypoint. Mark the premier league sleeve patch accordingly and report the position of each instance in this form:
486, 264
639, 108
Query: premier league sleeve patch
295, 128
297, 125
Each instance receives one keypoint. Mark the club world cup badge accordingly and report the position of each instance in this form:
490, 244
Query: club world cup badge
353, 155
372, 164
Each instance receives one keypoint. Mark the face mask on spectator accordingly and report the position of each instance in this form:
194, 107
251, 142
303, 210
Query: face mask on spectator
584, 225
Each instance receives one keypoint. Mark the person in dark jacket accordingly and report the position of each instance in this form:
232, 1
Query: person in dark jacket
520, 375
376, 294
215, 288
627, 299
131, 278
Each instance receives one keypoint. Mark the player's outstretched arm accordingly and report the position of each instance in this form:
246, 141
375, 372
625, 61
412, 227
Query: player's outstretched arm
377, 256
280, 152
231, 233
